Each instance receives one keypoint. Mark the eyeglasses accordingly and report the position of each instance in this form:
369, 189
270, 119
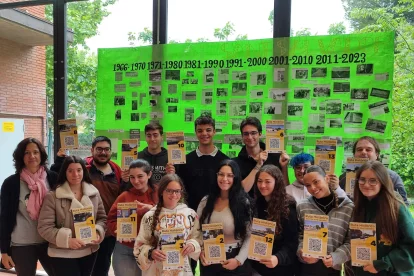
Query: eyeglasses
252, 133
300, 168
171, 191
371, 181
100, 150
223, 175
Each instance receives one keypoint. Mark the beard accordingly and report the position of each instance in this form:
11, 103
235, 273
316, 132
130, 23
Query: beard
101, 163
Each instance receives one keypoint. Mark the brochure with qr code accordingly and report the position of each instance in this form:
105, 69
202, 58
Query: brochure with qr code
352, 165
126, 221
363, 243
84, 224
129, 152
325, 154
172, 243
176, 147
261, 239
315, 236
213, 240
275, 136
68, 134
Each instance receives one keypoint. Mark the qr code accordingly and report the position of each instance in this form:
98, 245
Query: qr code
85, 233
325, 164
69, 140
274, 143
214, 251
128, 160
315, 245
173, 257
176, 154
363, 253
126, 228
260, 248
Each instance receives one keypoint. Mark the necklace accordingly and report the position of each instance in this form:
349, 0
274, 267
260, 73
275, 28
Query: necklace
325, 206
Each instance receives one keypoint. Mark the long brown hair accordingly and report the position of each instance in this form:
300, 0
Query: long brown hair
165, 180
388, 203
278, 206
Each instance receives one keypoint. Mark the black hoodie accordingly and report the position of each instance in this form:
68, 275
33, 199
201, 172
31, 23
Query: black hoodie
157, 162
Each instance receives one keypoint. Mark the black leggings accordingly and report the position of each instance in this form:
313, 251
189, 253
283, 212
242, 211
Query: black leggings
217, 269
25, 259
74, 267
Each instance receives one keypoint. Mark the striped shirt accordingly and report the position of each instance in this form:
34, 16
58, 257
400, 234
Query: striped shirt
339, 246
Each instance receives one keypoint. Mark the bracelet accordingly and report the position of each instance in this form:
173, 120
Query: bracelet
257, 167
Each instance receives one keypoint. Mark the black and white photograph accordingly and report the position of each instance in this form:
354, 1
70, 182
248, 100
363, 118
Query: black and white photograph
171, 100
190, 74
235, 124
340, 73
341, 87
295, 109
119, 100
208, 77
120, 87
234, 140
222, 92
258, 78
223, 76
314, 104
193, 81
316, 127
189, 114
135, 84
297, 147
221, 108
297, 137
348, 145
172, 75
333, 107
353, 117
255, 109
374, 125
118, 76
256, 93
322, 90
153, 103
189, 95
155, 90
118, 115
134, 94
279, 74
220, 126
359, 94
318, 72
205, 113
322, 106
185, 81
156, 115
278, 94
143, 115
300, 73
237, 108
172, 109
365, 69
337, 138
207, 96
379, 108
273, 108
301, 93
239, 89
239, 75
351, 107
132, 74
134, 105
382, 77
155, 75
380, 93
134, 117
141, 98
294, 125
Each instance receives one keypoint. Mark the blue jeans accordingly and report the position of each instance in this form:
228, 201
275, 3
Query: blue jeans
123, 261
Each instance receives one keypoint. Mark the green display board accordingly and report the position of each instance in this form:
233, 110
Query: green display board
322, 86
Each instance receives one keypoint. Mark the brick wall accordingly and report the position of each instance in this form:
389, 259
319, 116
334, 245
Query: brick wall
23, 82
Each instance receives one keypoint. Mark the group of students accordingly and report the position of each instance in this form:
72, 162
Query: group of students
36, 225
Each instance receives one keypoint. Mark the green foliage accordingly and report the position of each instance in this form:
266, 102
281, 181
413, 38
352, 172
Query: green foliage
337, 29
83, 18
303, 32
395, 16
225, 32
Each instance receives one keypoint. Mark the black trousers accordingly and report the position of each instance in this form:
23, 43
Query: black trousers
103, 260
74, 267
25, 259
218, 270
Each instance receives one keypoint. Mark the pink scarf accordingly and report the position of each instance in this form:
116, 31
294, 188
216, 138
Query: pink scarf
36, 183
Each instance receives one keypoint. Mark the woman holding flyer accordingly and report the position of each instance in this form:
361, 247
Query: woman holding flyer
22, 195
337, 211
274, 204
144, 195
376, 202
230, 205
173, 216
71, 253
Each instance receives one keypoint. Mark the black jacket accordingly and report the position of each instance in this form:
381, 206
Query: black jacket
157, 162
10, 192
